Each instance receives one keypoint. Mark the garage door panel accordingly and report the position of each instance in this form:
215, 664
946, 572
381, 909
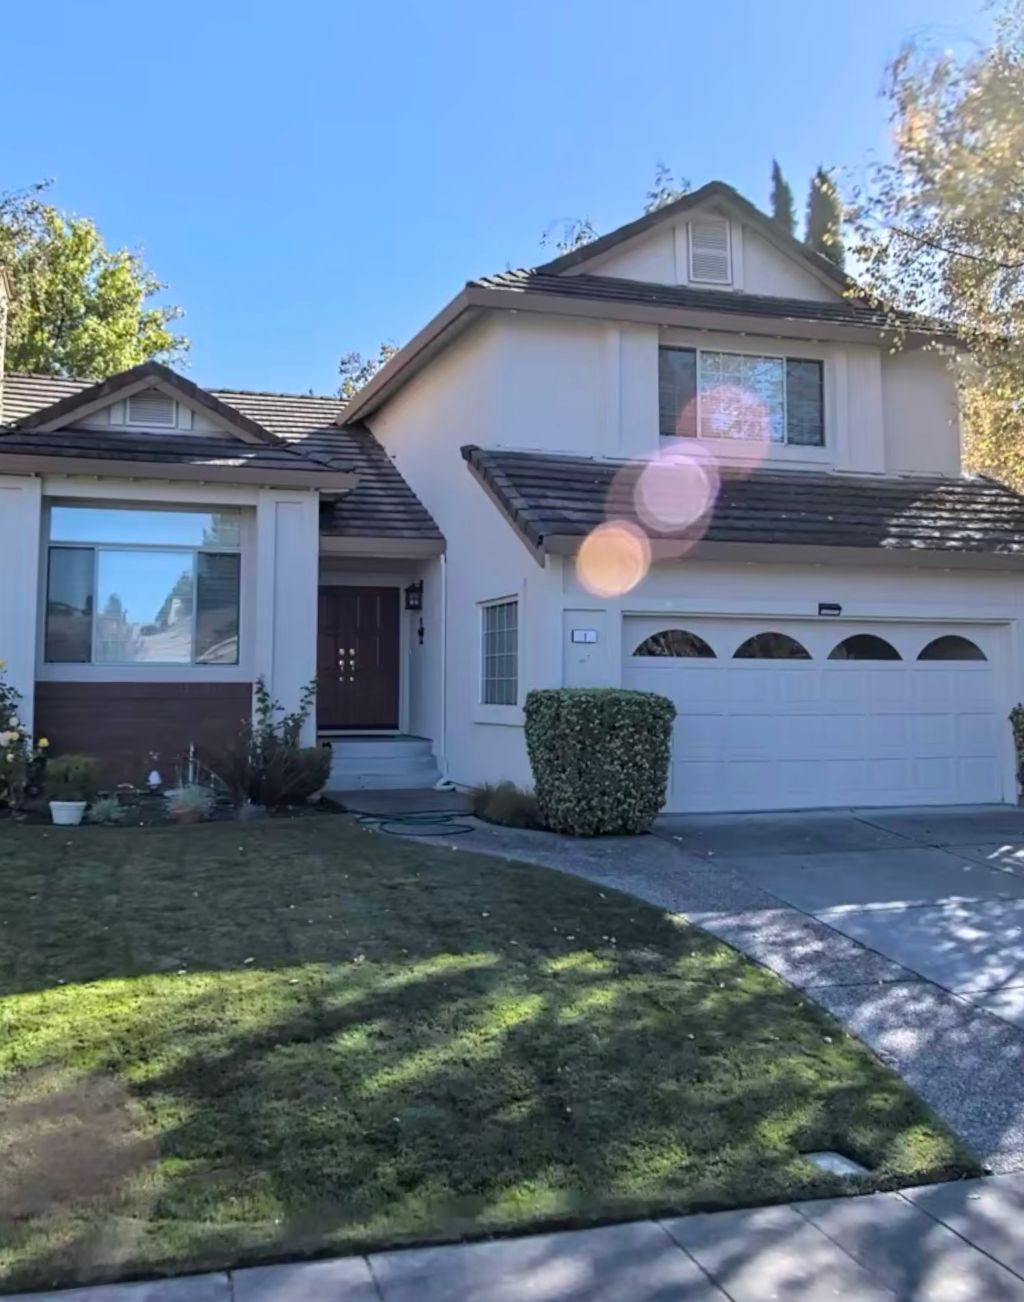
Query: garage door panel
843, 734
971, 689
976, 734
933, 734
976, 776
700, 736
790, 734
886, 734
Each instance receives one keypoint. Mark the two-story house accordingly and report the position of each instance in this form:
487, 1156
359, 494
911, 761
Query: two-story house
686, 458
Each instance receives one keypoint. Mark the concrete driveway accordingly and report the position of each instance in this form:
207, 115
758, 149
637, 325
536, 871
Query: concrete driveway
940, 892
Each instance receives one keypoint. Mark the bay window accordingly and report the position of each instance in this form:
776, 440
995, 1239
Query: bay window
133, 586
708, 394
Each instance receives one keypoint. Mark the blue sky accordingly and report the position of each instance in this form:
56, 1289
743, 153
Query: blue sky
314, 177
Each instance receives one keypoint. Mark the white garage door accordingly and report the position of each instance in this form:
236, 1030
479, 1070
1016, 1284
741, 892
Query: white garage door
810, 714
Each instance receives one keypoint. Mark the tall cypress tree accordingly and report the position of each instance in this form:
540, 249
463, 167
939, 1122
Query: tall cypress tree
823, 223
783, 211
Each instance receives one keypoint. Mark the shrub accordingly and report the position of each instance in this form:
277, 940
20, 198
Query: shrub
599, 757
505, 803
107, 811
1017, 724
21, 763
73, 777
315, 768
190, 804
265, 765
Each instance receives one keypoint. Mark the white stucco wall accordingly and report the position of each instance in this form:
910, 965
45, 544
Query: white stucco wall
767, 271
651, 257
661, 255
287, 576
563, 384
922, 422
460, 400
20, 524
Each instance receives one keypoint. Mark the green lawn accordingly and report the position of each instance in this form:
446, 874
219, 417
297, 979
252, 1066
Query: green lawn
228, 1043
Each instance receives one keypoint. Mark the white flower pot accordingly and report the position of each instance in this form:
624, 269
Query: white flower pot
67, 813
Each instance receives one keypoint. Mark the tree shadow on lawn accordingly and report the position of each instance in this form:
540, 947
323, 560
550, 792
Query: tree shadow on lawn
490, 1048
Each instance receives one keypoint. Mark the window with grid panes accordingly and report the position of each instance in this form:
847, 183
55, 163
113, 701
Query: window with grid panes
499, 678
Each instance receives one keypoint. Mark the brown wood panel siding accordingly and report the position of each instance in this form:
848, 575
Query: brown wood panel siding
121, 723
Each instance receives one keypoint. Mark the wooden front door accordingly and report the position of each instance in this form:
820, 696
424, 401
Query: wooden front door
357, 658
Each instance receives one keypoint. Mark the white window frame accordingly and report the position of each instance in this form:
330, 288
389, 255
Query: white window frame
811, 448
184, 666
511, 600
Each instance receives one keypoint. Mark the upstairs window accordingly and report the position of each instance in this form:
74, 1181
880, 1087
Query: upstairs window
710, 254
707, 394
128, 586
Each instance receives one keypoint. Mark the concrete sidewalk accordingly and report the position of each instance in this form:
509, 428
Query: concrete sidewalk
935, 1244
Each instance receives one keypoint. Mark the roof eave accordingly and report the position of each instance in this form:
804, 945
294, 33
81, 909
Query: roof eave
380, 545
21, 463
453, 318
701, 318
801, 553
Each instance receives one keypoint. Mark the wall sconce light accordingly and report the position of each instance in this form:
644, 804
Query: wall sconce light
414, 596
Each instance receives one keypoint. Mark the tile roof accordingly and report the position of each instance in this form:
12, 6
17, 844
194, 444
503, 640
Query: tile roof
614, 289
381, 505
547, 496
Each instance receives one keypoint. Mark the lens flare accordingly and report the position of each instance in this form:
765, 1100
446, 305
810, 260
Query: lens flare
734, 415
613, 559
676, 490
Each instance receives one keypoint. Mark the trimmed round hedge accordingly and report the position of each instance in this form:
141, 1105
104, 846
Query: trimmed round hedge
600, 758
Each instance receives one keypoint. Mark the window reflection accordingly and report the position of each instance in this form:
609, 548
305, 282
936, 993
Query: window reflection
101, 524
144, 602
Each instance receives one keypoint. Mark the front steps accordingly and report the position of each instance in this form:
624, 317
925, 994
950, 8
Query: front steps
381, 763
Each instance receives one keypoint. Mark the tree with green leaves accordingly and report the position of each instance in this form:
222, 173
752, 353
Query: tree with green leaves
666, 189
356, 370
824, 218
77, 307
568, 233
939, 226
783, 209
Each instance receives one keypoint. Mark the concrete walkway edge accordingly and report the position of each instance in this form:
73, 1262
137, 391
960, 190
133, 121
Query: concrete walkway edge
957, 1240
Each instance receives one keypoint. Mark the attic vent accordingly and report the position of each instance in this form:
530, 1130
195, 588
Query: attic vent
152, 408
709, 251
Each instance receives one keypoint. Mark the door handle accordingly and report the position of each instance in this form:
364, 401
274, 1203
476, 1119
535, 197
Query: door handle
350, 677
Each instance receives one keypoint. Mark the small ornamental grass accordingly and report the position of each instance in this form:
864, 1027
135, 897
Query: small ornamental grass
190, 803
107, 811
600, 758
505, 803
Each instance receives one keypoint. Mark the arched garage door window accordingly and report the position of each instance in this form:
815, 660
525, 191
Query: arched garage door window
952, 647
675, 642
864, 646
771, 646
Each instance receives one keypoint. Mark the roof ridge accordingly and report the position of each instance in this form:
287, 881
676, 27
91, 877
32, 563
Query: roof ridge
87, 380
273, 393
